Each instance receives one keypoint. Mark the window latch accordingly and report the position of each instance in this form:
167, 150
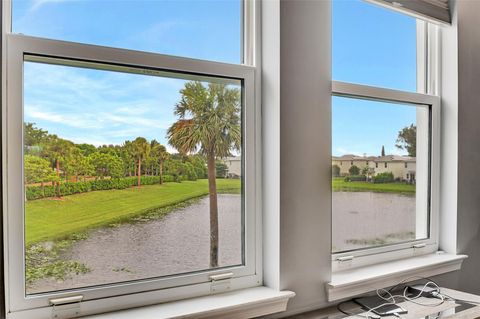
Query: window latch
221, 282
68, 307
344, 258
417, 246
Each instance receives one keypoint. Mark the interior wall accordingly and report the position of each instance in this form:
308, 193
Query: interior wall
305, 151
468, 207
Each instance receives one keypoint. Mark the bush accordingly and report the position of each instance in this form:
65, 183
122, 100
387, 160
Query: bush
36, 192
335, 170
358, 178
386, 177
354, 170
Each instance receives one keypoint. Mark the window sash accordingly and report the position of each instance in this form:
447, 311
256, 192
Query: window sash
17, 47
366, 256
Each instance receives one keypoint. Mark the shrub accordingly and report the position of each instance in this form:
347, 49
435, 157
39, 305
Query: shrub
386, 177
354, 170
358, 178
335, 170
36, 192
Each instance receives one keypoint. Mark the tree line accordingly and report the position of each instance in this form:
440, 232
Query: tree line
51, 159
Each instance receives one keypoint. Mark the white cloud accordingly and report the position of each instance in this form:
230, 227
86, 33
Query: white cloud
343, 151
36, 4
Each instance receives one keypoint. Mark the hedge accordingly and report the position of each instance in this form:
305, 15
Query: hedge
355, 178
37, 192
386, 177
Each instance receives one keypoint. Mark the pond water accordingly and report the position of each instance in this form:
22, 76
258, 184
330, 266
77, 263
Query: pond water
177, 243
363, 219
180, 241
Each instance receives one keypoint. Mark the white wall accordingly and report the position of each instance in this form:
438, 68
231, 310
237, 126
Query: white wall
297, 145
468, 196
301, 74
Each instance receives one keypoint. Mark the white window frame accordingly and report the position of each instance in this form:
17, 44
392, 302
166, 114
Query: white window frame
428, 71
143, 292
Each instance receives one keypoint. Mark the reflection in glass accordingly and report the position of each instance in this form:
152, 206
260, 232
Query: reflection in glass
128, 176
380, 173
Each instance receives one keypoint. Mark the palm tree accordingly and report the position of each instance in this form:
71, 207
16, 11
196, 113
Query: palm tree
57, 151
141, 150
209, 122
160, 154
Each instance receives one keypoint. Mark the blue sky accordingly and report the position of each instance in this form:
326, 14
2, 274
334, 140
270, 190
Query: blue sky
100, 107
371, 46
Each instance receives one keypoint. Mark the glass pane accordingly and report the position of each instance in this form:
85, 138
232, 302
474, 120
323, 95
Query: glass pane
118, 168
380, 173
202, 29
373, 46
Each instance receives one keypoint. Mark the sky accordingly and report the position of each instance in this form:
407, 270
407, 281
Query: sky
371, 45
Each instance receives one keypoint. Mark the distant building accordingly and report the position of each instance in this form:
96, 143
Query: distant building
234, 165
402, 167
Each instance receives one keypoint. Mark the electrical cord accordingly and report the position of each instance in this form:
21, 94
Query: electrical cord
459, 300
409, 279
390, 299
412, 299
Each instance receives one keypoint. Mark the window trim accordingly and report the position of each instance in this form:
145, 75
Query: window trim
148, 291
374, 255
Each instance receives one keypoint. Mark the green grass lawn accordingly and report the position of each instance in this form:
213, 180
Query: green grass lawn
49, 219
339, 185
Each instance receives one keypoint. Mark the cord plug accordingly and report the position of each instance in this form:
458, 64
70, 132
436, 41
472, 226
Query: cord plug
424, 291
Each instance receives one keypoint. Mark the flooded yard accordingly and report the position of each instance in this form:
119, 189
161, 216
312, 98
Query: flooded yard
177, 243
391, 218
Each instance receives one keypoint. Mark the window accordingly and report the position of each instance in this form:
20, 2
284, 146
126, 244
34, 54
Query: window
109, 184
386, 216
363, 52
391, 211
183, 28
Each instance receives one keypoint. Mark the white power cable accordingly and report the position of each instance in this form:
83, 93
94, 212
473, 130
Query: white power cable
390, 300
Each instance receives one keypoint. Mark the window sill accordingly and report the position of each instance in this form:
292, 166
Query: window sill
245, 303
352, 282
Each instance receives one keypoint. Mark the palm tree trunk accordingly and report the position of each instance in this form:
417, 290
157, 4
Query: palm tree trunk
161, 172
139, 172
58, 174
212, 189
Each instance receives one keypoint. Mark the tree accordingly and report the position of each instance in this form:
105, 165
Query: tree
199, 164
407, 140
86, 149
74, 161
365, 170
159, 153
174, 167
57, 151
354, 170
126, 154
105, 164
209, 121
33, 136
38, 170
335, 170
383, 150
221, 169
140, 151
